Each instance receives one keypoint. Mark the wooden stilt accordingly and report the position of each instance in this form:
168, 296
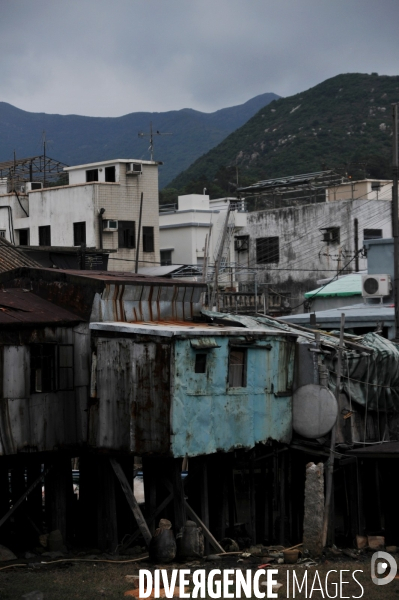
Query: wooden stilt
126, 520
150, 520
5, 489
205, 530
270, 503
58, 494
263, 503
282, 473
359, 497
19, 501
252, 507
378, 507
34, 502
88, 500
204, 499
231, 495
178, 495
107, 524
131, 500
150, 489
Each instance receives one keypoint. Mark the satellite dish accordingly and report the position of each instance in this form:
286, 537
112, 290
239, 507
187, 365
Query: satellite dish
315, 411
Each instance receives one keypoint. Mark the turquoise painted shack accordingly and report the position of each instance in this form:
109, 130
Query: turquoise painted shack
189, 388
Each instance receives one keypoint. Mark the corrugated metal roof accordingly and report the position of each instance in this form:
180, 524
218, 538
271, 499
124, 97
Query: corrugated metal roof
124, 277
361, 313
321, 179
351, 285
12, 257
18, 306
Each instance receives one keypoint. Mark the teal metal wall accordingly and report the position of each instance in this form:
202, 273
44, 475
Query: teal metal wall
207, 416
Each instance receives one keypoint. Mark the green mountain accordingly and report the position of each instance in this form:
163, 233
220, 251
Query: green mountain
343, 123
75, 139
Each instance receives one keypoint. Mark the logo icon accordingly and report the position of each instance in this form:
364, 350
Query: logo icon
381, 563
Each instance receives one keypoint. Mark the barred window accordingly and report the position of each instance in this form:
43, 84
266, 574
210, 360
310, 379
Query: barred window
267, 250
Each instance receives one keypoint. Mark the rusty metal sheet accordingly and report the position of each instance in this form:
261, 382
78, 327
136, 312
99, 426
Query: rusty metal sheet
148, 303
132, 409
43, 422
18, 306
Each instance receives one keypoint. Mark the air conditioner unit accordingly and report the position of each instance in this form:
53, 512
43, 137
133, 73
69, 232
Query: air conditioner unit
30, 186
376, 286
110, 225
133, 169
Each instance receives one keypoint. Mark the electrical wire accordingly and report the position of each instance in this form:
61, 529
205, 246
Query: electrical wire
95, 560
320, 289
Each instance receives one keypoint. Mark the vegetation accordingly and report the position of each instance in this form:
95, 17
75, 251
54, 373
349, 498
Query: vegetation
76, 140
343, 123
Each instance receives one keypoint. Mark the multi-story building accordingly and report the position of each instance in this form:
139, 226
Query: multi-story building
292, 248
193, 229
100, 207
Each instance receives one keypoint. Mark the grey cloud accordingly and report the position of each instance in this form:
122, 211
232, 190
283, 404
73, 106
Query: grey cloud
97, 57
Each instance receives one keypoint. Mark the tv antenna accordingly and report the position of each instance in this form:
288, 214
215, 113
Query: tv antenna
151, 136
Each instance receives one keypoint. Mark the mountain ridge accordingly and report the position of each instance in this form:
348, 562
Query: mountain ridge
78, 139
343, 122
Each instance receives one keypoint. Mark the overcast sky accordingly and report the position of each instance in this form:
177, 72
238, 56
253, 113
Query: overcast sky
112, 57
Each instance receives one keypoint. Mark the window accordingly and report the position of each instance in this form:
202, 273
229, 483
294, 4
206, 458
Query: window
65, 367
372, 234
200, 363
110, 174
42, 367
2, 233
24, 237
267, 250
166, 257
148, 239
92, 175
51, 367
79, 233
237, 368
44, 235
126, 234
331, 235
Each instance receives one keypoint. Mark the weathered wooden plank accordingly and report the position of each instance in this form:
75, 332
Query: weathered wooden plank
150, 520
178, 495
206, 531
138, 515
24, 495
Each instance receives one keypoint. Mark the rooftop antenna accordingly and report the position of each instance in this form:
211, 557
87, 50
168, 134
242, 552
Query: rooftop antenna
151, 136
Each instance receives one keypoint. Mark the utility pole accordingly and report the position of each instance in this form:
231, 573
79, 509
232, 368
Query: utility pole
395, 217
136, 268
356, 228
44, 159
151, 136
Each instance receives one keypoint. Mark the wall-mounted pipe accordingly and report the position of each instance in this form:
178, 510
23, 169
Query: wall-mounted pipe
100, 226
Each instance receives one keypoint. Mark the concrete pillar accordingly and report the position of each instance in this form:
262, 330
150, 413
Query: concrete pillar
314, 510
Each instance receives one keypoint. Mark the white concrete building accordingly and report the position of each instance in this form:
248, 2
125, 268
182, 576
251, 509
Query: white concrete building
99, 207
183, 231
292, 248
367, 189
